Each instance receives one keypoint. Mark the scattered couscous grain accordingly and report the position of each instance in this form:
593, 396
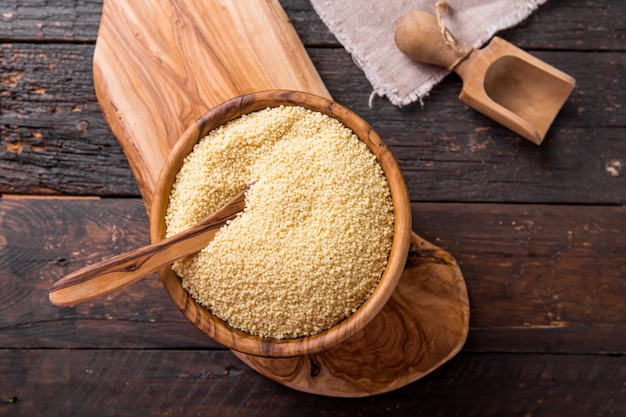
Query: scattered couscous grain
314, 238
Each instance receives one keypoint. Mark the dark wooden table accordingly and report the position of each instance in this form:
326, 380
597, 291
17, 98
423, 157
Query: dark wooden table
538, 233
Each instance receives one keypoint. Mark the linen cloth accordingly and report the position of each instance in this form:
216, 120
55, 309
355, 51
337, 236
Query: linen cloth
366, 30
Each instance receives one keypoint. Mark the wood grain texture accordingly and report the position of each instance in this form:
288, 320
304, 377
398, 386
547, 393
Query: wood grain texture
557, 24
54, 138
541, 278
446, 152
56, 21
201, 382
52, 124
158, 66
559, 265
561, 25
552, 344
40, 126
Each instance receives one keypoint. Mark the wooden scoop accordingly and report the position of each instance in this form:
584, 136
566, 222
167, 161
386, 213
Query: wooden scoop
501, 81
119, 271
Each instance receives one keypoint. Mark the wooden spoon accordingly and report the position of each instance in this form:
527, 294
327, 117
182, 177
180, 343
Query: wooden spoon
501, 81
119, 271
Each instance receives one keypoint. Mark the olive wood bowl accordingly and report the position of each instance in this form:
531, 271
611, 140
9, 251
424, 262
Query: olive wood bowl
218, 329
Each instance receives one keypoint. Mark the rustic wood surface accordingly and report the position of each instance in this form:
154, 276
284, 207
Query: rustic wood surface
537, 232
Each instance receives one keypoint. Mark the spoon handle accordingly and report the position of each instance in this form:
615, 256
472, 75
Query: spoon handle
114, 273
419, 36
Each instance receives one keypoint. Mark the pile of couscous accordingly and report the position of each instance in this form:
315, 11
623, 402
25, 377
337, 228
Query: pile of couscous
314, 238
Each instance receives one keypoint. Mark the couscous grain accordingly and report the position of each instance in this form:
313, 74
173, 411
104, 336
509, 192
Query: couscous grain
314, 238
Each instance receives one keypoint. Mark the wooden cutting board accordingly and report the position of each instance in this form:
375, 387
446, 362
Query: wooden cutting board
160, 64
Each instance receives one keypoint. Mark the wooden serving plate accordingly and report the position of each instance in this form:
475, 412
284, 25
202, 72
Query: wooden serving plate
159, 65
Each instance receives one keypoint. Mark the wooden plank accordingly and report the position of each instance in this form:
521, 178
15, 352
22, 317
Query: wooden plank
574, 25
543, 279
447, 151
57, 21
536, 275
45, 239
540, 278
156, 382
54, 138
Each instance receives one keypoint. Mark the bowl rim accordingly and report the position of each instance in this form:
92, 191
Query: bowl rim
215, 327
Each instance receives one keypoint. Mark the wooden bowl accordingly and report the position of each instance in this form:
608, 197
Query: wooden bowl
221, 331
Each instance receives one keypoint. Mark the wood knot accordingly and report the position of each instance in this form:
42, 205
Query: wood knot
315, 367
614, 167
82, 126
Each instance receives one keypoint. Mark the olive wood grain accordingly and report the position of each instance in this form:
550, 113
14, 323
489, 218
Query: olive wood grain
159, 65
112, 274
501, 81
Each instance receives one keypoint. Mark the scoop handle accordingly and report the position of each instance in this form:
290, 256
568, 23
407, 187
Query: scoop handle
419, 36
119, 271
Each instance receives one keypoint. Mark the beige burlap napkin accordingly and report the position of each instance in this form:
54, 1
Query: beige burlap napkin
366, 29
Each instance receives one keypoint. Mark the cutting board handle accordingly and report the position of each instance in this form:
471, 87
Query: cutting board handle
159, 65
